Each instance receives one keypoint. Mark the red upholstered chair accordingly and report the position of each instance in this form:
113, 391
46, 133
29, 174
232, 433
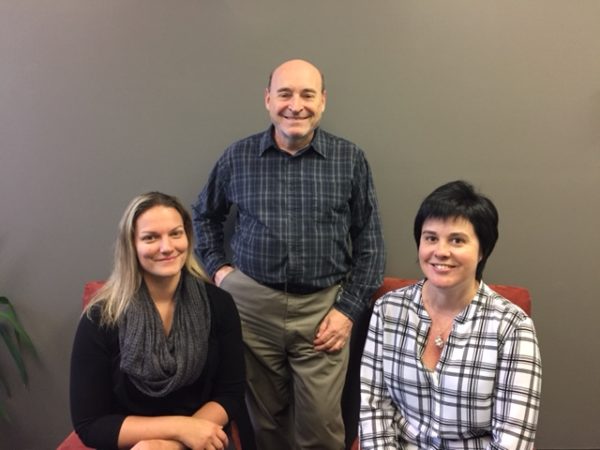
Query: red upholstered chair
518, 295
72, 441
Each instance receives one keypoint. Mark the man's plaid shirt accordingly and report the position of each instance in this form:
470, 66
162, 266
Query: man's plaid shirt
304, 222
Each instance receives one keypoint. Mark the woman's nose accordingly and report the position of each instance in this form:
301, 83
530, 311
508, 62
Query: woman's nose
442, 249
166, 246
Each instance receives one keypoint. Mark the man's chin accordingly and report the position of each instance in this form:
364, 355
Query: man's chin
296, 133
299, 132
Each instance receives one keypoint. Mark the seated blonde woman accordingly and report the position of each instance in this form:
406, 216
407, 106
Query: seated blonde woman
157, 361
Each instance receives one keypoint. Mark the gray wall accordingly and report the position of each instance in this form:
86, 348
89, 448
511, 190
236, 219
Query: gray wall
101, 100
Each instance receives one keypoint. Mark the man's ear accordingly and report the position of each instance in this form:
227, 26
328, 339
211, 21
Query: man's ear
267, 98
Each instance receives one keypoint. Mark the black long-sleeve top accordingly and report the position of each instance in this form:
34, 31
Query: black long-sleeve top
102, 396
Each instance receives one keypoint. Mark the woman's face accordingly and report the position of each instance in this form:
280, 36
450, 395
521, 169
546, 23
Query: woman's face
161, 243
449, 252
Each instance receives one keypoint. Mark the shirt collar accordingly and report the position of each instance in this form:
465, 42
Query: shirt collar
463, 316
318, 142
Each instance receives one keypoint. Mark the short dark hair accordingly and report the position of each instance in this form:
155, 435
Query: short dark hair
459, 199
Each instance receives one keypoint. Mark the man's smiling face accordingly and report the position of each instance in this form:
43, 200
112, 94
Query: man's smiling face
295, 100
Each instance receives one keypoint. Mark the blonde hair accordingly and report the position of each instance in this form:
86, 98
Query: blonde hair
116, 294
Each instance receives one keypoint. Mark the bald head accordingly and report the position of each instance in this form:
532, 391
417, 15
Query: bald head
297, 65
295, 99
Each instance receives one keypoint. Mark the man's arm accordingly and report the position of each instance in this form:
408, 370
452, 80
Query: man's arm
208, 215
368, 254
368, 259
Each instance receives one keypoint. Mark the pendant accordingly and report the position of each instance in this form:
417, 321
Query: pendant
439, 342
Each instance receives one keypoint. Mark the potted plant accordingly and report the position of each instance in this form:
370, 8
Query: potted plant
16, 339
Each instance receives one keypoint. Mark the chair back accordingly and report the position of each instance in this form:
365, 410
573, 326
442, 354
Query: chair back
516, 294
89, 290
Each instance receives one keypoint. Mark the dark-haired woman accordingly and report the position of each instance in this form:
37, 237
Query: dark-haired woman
157, 361
449, 363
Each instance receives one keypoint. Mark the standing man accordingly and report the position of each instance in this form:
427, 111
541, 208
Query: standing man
307, 256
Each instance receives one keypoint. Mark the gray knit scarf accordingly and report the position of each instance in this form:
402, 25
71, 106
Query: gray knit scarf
158, 364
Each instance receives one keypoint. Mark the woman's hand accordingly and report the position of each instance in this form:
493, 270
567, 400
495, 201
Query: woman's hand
158, 444
171, 433
201, 434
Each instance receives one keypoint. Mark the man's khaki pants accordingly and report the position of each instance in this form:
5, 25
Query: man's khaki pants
294, 392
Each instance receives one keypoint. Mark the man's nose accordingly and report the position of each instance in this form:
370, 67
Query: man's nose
295, 104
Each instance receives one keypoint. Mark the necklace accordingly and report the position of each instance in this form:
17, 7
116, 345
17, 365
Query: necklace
439, 340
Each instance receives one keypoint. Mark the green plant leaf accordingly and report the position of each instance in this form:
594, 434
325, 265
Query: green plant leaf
15, 337
14, 350
5, 385
8, 314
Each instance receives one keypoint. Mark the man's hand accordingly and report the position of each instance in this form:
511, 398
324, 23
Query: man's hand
222, 273
333, 332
